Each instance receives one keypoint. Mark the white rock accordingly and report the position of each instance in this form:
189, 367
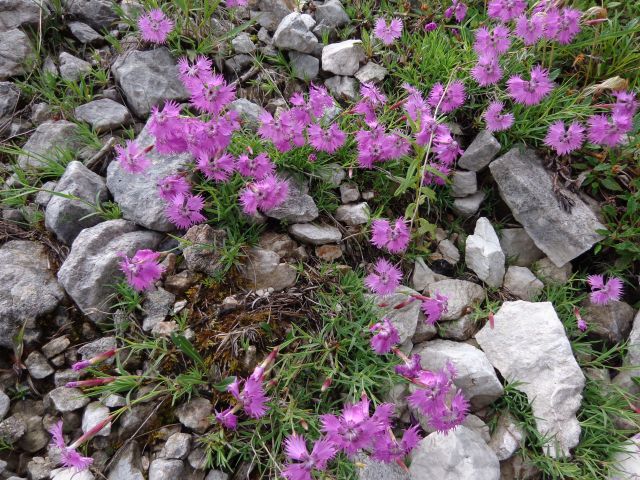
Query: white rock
506, 437
463, 183
371, 72
71, 474
479, 154
449, 251
522, 283
422, 275
343, 58
294, 33
461, 295
484, 255
343, 88
528, 345
315, 234
95, 413
468, 206
632, 359
518, 247
626, 464
353, 214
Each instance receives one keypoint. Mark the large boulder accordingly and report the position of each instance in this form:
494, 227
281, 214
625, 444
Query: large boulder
49, 140
528, 345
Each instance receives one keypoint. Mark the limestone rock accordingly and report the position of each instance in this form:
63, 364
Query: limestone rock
626, 464
127, 464
264, 270
99, 14
463, 183
49, 139
484, 255
9, 95
202, 250
243, 43
371, 73
103, 115
548, 272
15, 52
294, 33
331, 13
518, 247
95, 413
522, 283
18, 13
610, 322
461, 295
624, 379
315, 234
299, 207
343, 88
405, 319
479, 154
353, 214
84, 33
72, 68
156, 306
305, 67
195, 414
468, 206
63, 399
343, 58
507, 437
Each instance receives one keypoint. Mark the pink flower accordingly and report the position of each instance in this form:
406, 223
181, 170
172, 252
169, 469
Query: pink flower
69, 457
395, 239
257, 167
329, 140
172, 185
218, 168
164, 122
385, 338
193, 74
506, 10
580, 323
155, 26
227, 418
609, 131
385, 279
437, 175
388, 33
603, 293
446, 149
487, 71
447, 100
446, 417
569, 25
410, 368
295, 448
236, 3
492, 43
530, 30
131, 158
626, 104
319, 100
387, 448
415, 105
564, 140
430, 27
141, 270
434, 307
457, 9
185, 210
251, 397
429, 129
264, 195
212, 95
94, 360
495, 119
530, 92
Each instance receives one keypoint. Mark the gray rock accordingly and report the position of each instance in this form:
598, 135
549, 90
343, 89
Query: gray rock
506, 437
195, 414
156, 306
47, 142
528, 345
315, 234
546, 270
463, 183
343, 58
28, 288
137, 195
243, 43
9, 95
372, 470
424, 331
461, 329
15, 53
39, 468
67, 217
518, 247
276, 10
127, 464
249, 112
477, 425
518, 468
103, 115
41, 112
177, 446
5, 403
522, 283
95, 413
71, 474
294, 33
72, 68
345, 88
461, 295
475, 375
299, 207
332, 14
62, 377
216, 475
35, 437
305, 67
468, 206
12, 429
459, 455
264, 270
238, 63
423, 276
631, 362
38, 366
84, 33
56, 346
479, 154
197, 459
349, 193
18, 13
405, 319
353, 214
165, 469
371, 73
92, 265
610, 322
484, 255
332, 173
63, 399
98, 14
148, 78
97, 347
202, 249
449, 251
626, 463
527, 188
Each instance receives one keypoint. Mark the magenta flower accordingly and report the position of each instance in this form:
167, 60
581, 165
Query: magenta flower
265, 194
626, 104
395, 239
251, 397
329, 140
154, 26
434, 307
257, 167
580, 323
131, 158
387, 448
603, 293
185, 210
81, 365
192, 74
446, 417
236, 3
564, 140
446, 149
506, 10
431, 26
388, 33
212, 95
295, 448
487, 71
492, 43
447, 100
70, 458
437, 175
530, 30
429, 129
415, 105
386, 336
141, 270
530, 92
319, 100
227, 418
551, 17
218, 168
609, 131
385, 279
165, 122
410, 368
568, 26
172, 185
496, 120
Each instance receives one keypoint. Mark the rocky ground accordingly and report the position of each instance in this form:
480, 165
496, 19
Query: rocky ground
511, 262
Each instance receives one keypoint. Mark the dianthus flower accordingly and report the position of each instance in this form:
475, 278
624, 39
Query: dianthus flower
387, 448
218, 168
447, 100
265, 194
446, 149
603, 293
101, 357
141, 270
487, 71
372, 98
70, 457
371, 146
415, 105
212, 95
438, 174
564, 140
155, 26
227, 418
329, 140
457, 9
295, 448
608, 130
580, 323
496, 120
236, 3
626, 104
185, 210
214, 136
434, 307
256, 167
568, 26
250, 394
385, 278
285, 132
385, 338
429, 129
132, 158
530, 92
163, 123
447, 416
388, 33
193, 74
506, 10
410, 368
394, 238
530, 30
431, 26
319, 100
492, 42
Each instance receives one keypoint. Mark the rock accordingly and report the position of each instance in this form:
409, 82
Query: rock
299, 207
103, 115
156, 306
35, 437
344, 88
518, 468
9, 95
84, 33
164, 469
127, 465
294, 33
305, 67
343, 58
137, 195
332, 173
148, 78
202, 249
216, 475
476, 377
610, 322
315, 234
332, 14
264, 270
71, 474
72, 68
63, 399
371, 73
249, 112
95, 413
369, 469
197, 458
527, 188
195, 414
15, 53
238, 63
12, 429
625, 377
46, 143
424, 332
461, 329
463, 183
62, 377
98, 14
97, 347
550, 273
528, 345
28, 289
507, 437
626, 463
449, 251
5, 403
38, 366
41, 112
459, 455
56, 346
39, 468
353, 214
423, 276
405, 319
281, 243
274, 11
522, 283
349, 192
477, 425
177, 446
461, 295
18, 13
484, 255
518, 247
329, 253
479, 154
468, 206
243, 44
67, 217
180, 283
92, 265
